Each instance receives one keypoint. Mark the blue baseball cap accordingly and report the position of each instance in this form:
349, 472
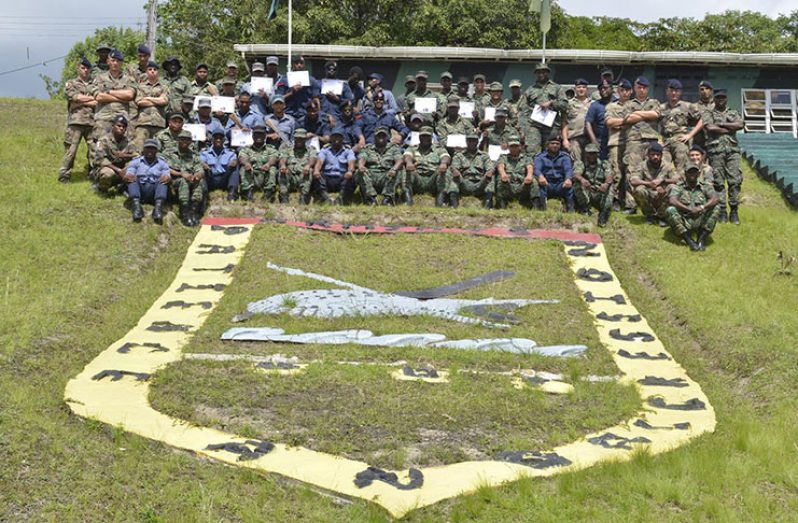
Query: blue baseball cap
152, 64
338, 130
655, 147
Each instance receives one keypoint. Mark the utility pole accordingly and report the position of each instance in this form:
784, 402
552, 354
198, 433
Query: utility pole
152, 23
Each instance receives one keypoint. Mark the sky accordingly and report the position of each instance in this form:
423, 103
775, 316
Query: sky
36, 34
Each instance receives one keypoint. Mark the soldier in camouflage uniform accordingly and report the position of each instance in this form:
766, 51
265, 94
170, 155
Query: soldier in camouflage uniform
721, 125
698, 156
230, 77
615, 118
422, 91
516, 178
259, 163
514, 102
151, 100
574, 137
138, 71
427, 170
472, 171
114, 91
500, 132
649, 181
379, 167
593, 184
186, 170
642, 122
680, 122
296, 167
453, 123
495, 101
705, 103
177, 86
200, 86
481, 97
693, 208
80, 119
546, 94
167, 138
111, 156
101, 66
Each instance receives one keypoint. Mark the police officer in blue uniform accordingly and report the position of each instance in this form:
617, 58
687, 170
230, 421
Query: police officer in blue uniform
147, 181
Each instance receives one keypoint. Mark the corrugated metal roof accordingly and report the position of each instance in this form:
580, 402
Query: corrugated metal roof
590, 56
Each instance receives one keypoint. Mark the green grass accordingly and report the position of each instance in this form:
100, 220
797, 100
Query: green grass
78, 275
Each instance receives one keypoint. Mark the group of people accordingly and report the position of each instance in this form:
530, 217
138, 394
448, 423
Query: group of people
617, 149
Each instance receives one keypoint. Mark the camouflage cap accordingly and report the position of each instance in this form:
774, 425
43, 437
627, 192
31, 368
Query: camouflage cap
479, 76
300, 133
177, 116
542, 66
259, 129
453, 101
416, 117
103, 46
425, 131
495, 86
422, 74
381, 130
272, 60
410, 79
515, 83
258, 66
229, 81
513, 139
591, 148
184, 134
153, 143
187, 100
446, 74
692, 166
472, 135
277, 98
501, 111
463, 80
232, 65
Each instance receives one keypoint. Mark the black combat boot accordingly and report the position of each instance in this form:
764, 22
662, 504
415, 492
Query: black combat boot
232, 194
454, 200
157, 212
440, 200
268, 195
733, 216
304, 199
487, 202
501, 203
722, 215
370, 200
196, 213
138, 212
250, 196
690, 242
407, 194
387, 200
284, 197
603, 217
702, 238
185, 215
322, 198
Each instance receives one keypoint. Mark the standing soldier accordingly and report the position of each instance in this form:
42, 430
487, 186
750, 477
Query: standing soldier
481, 96
593, 185
422, 91
379, 166
544, 94
453, 123
80, 119
693, 208
231, 74
177, 85
114, 91
200, 86
101, 66
139, 69
186, 170
296, 166
513, 103
574, 137
615, 119
472, 171
595, 124
678, 117
401, 100
151, 100
495, 101
642, 122
705, 103
721, 125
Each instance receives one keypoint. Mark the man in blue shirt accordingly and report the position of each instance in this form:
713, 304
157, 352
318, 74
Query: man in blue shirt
379, 116
281, 126
334, 171
211, 123
246, 118
594, 120
147, 179
221, 167
349, 126
297, 96
555, 172
330, 102
374, 87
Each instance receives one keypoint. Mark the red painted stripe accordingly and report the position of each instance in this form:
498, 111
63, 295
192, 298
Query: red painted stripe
230, 221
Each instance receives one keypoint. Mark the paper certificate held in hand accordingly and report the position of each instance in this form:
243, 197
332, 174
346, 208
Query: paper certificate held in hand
466, 109
240, 138
414, 138
426, 105
261, 83
329, 85
490, 114
543, 116
299, 77
197, 131
456, 140
223, 104
494, 151
313, 143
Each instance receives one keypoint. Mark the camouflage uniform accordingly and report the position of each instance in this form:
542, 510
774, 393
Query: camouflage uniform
681, 222
375, 177
649, 200
473, 167
702, 107
105, 156
410, 103
460, 126
641, 134
724, 156
187, 162
257, 178
80, 122
592, 196
137, 74
676, 122
207, 89
426, 178
105, 112
616, 143
177, 88
295, 180
512, 111
168, 141
536, 134
501, 137
150, 120
575, 116
516, 168
481, 108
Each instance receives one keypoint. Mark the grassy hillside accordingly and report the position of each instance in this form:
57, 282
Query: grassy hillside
77, 274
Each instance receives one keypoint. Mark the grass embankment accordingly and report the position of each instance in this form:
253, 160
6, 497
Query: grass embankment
78, 274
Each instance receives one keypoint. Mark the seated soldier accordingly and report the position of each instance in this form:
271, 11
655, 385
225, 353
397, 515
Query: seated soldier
593, 184
147, 179
211, 123
378, 116
516, 177
555, 172
698, 156
280, 125
186, 170
427, 170
693, 208
472, 171
350, 127
649, 183
167, 138
111, 154
379, 168
499, 131
296, 166
221, 167
414, 124
259, 166
453, 123
334, 171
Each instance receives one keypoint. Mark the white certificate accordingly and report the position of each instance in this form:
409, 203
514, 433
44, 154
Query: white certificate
240, 138
466, 109
543, 116
427, 105
414, 138
223, 104
197, 101
313, 143
490, 114
456, 140
261, 83
330, 85
299, 77
197, 131
494, 151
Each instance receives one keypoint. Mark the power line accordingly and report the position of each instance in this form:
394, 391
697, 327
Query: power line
70, 24
44, 63
74, 17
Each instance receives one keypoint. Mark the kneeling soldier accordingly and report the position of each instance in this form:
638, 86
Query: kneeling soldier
594, 185
112, 153
693, 208
296, 166
650, 182
186, 170
472, 171
378, 168
516, 177
148, 180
